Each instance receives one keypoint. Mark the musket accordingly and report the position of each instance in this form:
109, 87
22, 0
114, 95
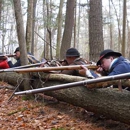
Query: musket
3, 57
74, 84
9, 55
47, 69
21, 67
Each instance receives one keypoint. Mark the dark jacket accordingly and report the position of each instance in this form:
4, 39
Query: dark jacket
120, 66
11, 65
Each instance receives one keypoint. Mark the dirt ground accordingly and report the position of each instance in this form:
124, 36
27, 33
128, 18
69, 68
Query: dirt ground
47, 113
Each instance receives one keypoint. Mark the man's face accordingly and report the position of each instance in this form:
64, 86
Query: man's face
70, 60
106, 62
17, 54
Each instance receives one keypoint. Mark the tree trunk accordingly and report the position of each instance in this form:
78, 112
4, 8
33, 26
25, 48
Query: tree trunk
20, 31
110, 26
75, 24
34, 44
69, 22
119, 28
95, 29
59, 30
21, 38
29, 25
106, 101
1, 1
124, 29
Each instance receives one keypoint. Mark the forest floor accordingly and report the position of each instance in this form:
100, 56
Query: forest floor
48, 114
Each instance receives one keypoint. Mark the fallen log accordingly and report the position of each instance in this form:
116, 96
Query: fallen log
79, 83
109, 102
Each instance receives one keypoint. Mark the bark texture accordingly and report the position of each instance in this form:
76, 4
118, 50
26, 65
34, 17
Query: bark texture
111, 103
95, 29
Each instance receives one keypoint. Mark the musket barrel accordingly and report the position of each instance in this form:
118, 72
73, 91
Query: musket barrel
21, 67
3, 57
51, 88
9, 55
74, 84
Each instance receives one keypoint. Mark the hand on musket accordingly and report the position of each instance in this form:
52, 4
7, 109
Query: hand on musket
83, 71
101, 71
86, 72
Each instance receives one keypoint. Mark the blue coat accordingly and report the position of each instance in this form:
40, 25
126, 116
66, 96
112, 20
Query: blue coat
120, 66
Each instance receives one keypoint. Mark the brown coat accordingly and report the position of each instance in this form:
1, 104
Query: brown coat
77, 61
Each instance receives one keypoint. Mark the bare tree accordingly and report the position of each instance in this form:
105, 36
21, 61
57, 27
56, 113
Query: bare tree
75, 25
29, 25
21, 38
1, 1
59, 30
111, 42
69, 23
119, 28
33, 26
20, 31
95, 29
124, 28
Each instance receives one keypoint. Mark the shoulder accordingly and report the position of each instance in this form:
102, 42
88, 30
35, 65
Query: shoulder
79, 61
120, 68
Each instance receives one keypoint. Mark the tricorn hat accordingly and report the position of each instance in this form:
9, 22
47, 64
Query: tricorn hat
107, 52
72, 52
17, 49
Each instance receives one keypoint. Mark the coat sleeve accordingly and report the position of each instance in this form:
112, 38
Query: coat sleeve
4, 65
11, 65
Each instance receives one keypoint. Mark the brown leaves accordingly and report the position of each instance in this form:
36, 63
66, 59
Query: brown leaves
34, 115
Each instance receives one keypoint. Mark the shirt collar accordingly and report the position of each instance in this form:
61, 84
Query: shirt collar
114, 60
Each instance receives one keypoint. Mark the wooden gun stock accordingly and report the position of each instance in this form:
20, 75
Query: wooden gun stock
57, 68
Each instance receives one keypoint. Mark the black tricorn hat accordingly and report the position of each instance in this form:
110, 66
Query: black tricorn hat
72, 52
107, 52
17, 49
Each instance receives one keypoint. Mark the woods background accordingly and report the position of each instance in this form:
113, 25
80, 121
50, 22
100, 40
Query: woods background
47, 28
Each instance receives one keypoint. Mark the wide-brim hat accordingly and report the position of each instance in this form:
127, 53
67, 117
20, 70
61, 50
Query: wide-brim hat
17, 49
107, 52
72, 52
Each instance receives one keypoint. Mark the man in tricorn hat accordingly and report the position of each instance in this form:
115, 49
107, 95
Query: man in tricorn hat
73, 58
110, 63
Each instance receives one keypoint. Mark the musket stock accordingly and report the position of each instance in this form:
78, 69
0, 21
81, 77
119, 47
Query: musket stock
56, 68
74, 84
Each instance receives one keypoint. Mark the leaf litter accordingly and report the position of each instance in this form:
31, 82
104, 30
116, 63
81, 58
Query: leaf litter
48, 114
